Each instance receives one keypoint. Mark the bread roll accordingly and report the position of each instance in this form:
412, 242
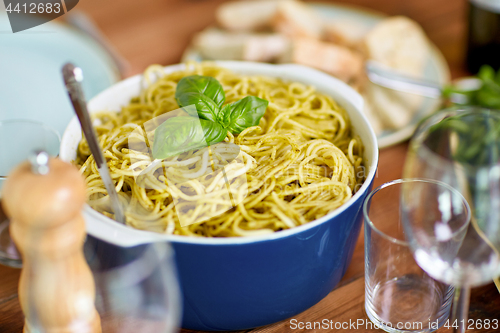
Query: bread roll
336, 60
247, 15
346, 32
400, 43
216, 44
296, 19
266, 47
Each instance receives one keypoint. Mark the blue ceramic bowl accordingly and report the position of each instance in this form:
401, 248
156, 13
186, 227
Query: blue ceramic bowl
241, 283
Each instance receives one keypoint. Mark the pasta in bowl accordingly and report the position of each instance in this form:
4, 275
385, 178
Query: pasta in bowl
309, 162
301, 161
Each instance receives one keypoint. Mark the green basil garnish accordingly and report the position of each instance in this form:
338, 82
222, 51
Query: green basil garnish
204, 85
487, 94
209, 121
205, 107
181, 134
244, 113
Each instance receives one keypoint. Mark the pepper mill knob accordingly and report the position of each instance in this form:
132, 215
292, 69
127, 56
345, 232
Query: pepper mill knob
44, 200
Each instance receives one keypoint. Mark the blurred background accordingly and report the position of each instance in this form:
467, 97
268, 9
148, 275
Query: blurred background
116, 39
158, 31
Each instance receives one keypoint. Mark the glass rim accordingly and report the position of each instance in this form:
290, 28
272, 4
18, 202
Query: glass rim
431, 121
33, 122
162, 250
46, 127
372, 226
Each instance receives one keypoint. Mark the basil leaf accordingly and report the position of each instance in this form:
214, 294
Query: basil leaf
205, 107
486, 73
181, 134
203, 85
244, 113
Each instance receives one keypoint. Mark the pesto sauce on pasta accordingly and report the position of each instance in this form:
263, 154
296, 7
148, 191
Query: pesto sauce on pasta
301, 162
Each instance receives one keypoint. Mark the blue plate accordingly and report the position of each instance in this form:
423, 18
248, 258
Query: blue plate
31, 85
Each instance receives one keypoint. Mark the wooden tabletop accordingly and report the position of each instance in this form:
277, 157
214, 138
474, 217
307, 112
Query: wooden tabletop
157, 31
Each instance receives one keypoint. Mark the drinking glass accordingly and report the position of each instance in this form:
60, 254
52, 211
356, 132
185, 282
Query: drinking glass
399, 295
136, 288
460, 147
18, 140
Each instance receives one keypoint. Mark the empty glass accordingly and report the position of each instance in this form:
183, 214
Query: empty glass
18, 140
399, 295
136, 289
461, 147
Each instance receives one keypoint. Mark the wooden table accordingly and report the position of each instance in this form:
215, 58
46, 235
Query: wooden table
157, 31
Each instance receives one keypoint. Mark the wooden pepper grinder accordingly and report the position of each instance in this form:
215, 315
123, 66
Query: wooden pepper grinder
44, 198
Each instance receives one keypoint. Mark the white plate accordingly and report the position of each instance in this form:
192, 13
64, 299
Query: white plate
436, 69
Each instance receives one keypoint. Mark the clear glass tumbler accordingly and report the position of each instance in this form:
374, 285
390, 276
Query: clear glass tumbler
18, 140
399, 295
136, 290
